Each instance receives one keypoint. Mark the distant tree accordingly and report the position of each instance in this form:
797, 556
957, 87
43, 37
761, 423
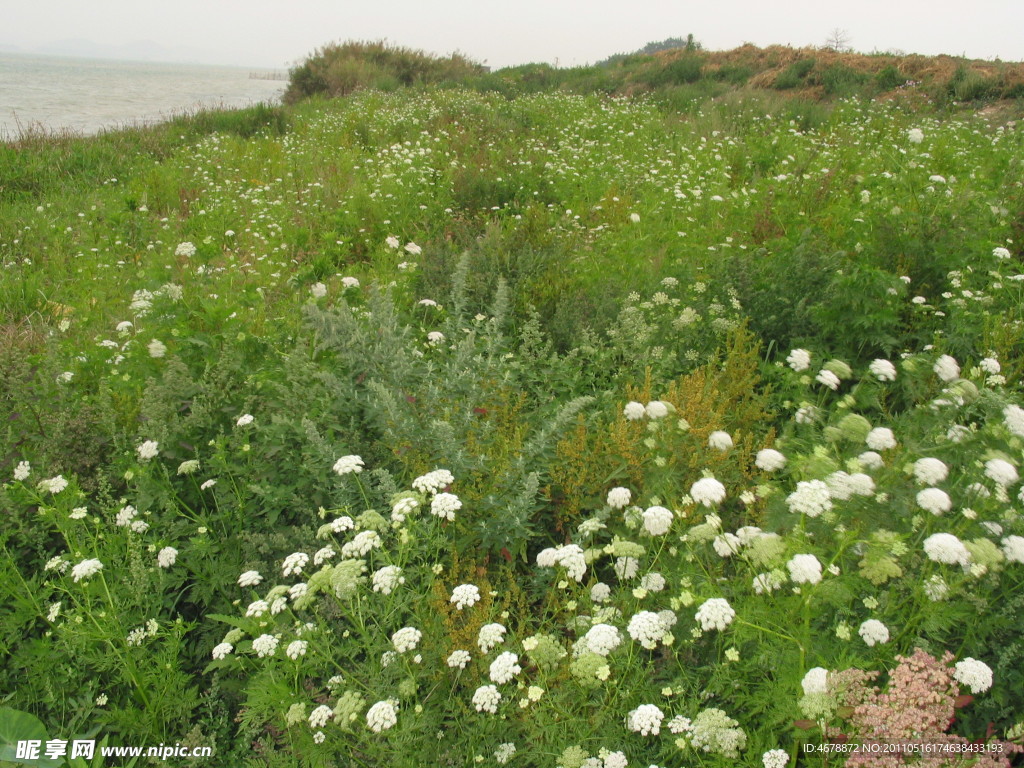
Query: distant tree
838, 40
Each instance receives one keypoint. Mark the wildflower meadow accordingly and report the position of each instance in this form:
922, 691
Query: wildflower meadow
554, 431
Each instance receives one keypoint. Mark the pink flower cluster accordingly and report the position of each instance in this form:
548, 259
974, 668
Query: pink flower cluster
917, 708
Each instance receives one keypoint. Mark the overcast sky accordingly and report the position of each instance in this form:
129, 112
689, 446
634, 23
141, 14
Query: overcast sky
276, 33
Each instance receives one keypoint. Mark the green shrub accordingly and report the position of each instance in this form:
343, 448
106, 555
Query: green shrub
889, 78
840, 80
794, 75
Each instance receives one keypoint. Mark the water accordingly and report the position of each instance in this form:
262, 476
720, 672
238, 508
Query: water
89, 95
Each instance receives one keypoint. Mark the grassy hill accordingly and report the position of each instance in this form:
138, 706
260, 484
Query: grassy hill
682, 75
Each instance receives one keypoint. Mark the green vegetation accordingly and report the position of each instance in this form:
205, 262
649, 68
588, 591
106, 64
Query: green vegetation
496, 424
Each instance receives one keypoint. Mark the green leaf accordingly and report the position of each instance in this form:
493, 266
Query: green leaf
18, 726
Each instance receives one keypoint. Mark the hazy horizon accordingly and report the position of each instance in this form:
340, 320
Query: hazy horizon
274, 34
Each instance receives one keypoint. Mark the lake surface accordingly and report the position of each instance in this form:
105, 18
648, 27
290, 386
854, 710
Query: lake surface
88, 95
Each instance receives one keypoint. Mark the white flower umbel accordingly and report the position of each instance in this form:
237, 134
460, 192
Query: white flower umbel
720, 440
934, 500
815, 681
348, 465
647, 629
976, 675
294, 563
770, 460
775, 758
166, 557
386, 579
382, 716
880, 439
222, 650
799, 360
602, 639
715, 613
947, 368
804, 569
250, 579
505, 667
465, 596
707, 491
148, 450
645, 720
1013, 549
265, 645
489, 636
874, 632
432, 482
486, 699
1013, 418
810, 498
656, 409
459, 659
86, 569
320, 716
445, 505
406, 639
657, 520
929, 471
947, 549
1001, 471
634, 411
883, 370
619, 498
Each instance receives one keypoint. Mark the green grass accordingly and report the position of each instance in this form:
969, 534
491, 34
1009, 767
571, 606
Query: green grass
495, 282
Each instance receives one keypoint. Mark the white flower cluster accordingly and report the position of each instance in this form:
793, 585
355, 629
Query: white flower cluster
569, 556
799, 360
602, 639
465, 596
775, 758
489, 636
505, 667
934, 500
166, 557
1013, 418
947, 549
148, 450
815, 681
618, 498
362, 543
432, 482
459, 659
883, 370
707, 491
880, 439
250, 579
647, 628
657, 521
804, 569
810, 498
715, 613
874, 632
406, 639
385, 580
645, 720
348, 465
719, 440
947, 368
86, 569
265, 645
929, 471
486, 699
1001, 472
382, 716
294, 563
770, 460
445, 505
976, 675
